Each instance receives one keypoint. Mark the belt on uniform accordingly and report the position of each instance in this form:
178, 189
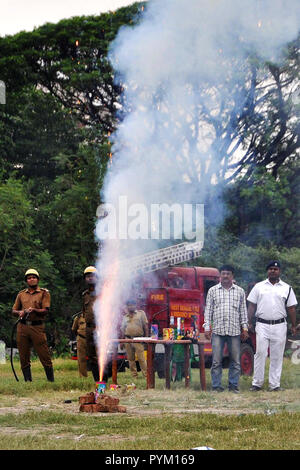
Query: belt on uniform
90, 325
271, 322
32, 323
81, 336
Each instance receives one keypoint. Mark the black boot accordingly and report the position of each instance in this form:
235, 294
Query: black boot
49, 373
95, 372
105, 377
27, 374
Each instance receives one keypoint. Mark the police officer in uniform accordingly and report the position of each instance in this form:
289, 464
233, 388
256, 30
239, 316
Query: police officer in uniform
78, 328
270, 301
31, 306
88, 300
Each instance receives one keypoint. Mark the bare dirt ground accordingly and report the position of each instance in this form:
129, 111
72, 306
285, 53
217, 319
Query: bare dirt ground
26, 423
155, 402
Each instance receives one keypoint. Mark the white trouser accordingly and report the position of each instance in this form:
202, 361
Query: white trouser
273, 337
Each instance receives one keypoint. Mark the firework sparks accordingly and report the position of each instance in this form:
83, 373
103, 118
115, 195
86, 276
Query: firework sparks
106, 312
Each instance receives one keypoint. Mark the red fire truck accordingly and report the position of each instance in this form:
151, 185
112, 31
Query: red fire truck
176, 295
170, 294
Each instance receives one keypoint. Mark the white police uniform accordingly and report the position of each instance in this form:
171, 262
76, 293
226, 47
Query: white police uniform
271, 328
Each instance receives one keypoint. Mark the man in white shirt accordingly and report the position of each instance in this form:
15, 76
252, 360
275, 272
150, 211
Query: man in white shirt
270, 300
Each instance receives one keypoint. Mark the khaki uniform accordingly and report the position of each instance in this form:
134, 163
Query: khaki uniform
88, 299
79, 327
135, 325
31, 332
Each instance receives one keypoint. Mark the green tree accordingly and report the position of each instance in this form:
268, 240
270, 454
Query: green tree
35, 128
265, 208
20, 248
69, 60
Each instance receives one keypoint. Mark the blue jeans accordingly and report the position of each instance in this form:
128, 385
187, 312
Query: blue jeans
234, 347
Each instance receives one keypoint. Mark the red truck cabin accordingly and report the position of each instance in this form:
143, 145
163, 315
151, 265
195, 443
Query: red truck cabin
178, 292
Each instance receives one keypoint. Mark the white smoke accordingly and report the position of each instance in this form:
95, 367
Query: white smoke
174, 66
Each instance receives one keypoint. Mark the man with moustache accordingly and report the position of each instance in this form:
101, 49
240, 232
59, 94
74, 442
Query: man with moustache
270, 300
31, 306
225, 321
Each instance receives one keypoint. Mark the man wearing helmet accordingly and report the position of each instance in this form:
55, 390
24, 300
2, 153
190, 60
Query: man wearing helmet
31, 306
88, 300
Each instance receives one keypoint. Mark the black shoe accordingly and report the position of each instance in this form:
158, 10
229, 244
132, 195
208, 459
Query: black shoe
233, 389
276, 389
218, 389
49, 374
27, 374
254, 388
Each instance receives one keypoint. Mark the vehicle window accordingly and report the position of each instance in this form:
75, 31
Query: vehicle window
208, 283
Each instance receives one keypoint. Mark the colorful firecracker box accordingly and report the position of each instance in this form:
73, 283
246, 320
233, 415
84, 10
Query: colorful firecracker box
154, 331
189, 332
131, 386
114, 387
168, 334
100, 388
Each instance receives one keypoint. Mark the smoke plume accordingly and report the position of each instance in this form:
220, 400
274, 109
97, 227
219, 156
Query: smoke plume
176, 66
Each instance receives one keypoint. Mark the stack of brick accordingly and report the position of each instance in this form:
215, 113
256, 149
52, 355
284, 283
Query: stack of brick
103, 403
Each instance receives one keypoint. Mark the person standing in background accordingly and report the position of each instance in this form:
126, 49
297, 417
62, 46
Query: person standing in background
31, 306
88, 300
135, 324
225, 321
78, 328
269, 301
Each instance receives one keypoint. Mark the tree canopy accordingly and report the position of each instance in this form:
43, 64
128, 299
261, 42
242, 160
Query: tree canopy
63, 103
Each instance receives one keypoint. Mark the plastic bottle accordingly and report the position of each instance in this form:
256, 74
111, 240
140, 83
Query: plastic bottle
178, 326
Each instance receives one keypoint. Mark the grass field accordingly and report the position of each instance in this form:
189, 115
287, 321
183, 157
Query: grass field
34, 416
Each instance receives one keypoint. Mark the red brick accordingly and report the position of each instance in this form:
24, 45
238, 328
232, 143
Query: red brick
107, 400
100, 408
87, 399
121, 409
86, 408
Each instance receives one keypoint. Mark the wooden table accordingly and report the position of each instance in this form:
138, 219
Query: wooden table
168, 347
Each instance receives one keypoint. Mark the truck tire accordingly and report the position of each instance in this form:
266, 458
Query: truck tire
247, 359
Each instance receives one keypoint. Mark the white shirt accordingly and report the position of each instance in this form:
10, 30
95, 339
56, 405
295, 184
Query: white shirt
270, 299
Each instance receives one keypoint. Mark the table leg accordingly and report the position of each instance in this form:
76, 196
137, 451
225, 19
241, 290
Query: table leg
187, 364
114, 367
150, 366
167, 365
